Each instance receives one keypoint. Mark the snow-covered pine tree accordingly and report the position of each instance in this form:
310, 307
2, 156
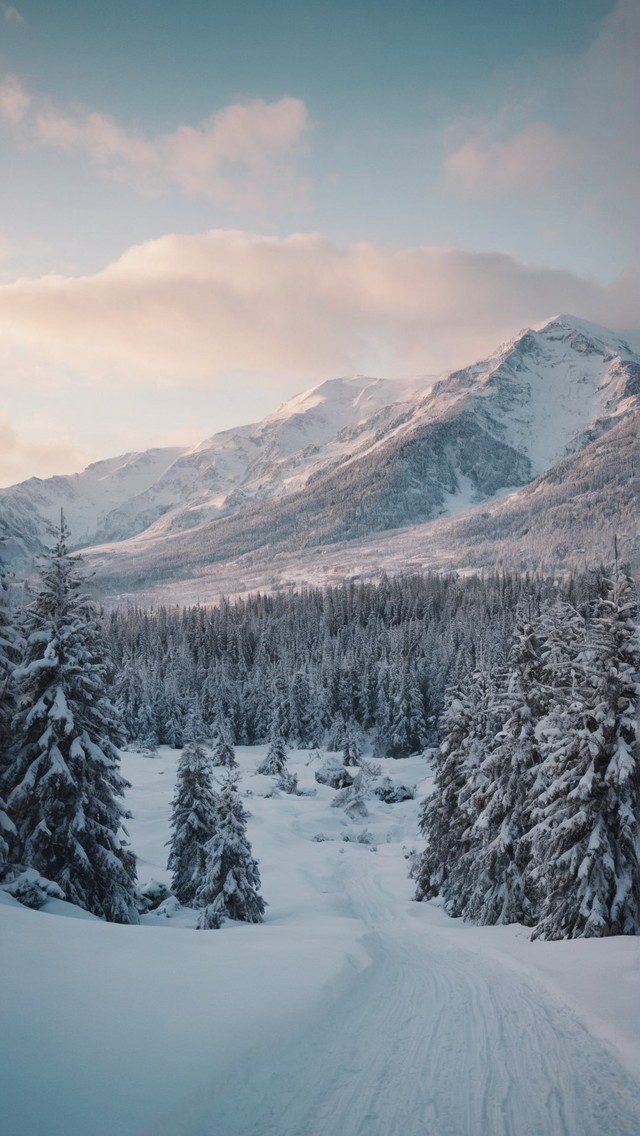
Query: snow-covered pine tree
230, 887
589, 810
129, 694
303, 717
223, 751
469, 723
65, 777
499, 884
351, 752
9, 642
276, 757
404, 731
193, 814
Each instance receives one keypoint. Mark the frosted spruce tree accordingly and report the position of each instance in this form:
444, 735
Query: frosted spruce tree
223, 751
66, 798
470, 721
193, 814
588, 810
9, 645
500, 886
351, 752
304, 722
276, 757
231, 880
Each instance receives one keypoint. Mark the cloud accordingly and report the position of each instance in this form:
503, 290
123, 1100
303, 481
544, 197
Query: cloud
570, 130
14, 100
525, 163
11, 15
21, 458
193, 309
243, 155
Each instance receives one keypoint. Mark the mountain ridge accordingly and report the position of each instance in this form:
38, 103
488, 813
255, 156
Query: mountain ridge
351, 457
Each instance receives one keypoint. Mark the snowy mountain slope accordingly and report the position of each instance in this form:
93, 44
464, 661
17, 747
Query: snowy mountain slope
267, 460
356, 457
564, 520
170, 489
28, 510
350, 1010
471, 437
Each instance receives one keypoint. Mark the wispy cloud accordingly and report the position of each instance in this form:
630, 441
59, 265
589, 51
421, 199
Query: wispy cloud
576, 139
14, 100
11, 15
243, 155
527, 162
187, 309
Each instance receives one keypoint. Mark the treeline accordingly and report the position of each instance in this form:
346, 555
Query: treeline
378, 657
534, 817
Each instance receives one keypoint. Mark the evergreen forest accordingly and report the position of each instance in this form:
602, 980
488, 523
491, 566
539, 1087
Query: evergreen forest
521, 690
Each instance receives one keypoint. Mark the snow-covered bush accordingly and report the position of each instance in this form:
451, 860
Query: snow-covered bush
333, 773
288, 782
353, 799
392, 794
151, 895
33, 890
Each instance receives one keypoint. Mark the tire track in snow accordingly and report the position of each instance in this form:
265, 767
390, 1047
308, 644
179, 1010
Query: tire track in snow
429, 1040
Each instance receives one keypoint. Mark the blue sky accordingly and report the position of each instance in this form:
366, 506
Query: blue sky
221, 203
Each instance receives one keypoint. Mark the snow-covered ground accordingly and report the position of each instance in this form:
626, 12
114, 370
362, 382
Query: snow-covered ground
352, 1011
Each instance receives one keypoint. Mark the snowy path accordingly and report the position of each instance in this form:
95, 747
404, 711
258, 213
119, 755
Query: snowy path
351, 1011
430, 1040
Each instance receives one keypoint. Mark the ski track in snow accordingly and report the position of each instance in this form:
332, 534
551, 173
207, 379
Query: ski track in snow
352, 1011
426, 1042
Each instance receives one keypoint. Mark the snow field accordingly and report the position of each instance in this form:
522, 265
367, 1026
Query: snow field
351, 1011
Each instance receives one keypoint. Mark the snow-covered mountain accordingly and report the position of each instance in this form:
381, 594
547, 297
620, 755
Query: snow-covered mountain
352, 458
169, 489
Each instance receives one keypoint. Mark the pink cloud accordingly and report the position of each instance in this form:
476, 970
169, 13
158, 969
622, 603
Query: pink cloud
242, 155
14, 100
591, 158
526, 162
193, 309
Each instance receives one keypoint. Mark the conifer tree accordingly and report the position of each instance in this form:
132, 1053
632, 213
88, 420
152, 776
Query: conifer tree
223, 751
130, 699
66, 783
276, 758
193, 814
351, 752
585, 841
501, 887
303, 718
470, 721
230, 885
9, 644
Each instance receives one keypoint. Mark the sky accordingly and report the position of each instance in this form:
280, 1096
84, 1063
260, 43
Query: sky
208, 207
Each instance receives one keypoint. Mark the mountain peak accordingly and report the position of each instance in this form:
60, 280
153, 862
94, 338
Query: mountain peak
570, 327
